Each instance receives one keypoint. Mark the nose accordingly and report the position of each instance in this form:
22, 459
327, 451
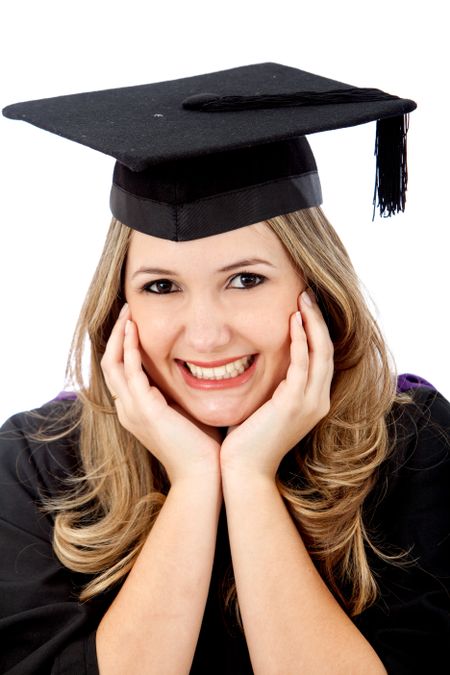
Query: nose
206, 326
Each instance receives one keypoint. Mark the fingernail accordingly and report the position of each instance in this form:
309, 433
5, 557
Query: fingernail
307, 298
127, 326
124, 309
298, 317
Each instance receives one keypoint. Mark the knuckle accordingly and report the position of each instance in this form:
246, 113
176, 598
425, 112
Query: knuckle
132, 377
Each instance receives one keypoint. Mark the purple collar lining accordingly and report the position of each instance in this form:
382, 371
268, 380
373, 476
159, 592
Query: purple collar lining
408, 381
66, 396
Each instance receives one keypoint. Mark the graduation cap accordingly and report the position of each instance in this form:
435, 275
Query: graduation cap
202, 155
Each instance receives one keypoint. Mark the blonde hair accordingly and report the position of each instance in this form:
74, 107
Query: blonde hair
101, 526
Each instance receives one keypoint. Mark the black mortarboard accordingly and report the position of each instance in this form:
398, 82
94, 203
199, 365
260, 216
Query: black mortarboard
206, 154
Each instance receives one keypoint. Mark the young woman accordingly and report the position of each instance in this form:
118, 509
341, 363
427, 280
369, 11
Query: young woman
242, 484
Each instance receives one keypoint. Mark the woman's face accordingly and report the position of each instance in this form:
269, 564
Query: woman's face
191, 309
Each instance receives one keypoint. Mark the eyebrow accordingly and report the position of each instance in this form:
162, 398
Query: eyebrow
246, 262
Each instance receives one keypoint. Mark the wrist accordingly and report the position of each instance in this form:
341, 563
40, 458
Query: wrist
235, 476
203, 476
238, 470
202, 493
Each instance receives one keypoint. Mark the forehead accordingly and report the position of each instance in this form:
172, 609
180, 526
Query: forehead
253, 240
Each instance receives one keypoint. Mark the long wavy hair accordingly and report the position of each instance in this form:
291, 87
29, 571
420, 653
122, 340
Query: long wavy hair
102, 522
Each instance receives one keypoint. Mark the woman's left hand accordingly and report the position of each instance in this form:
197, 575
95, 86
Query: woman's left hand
301, 400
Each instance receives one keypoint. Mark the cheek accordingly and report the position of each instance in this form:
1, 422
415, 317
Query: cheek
278, 355
153, 334
273, 343
274, 330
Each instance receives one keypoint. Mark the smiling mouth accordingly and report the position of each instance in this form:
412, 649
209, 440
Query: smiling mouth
226, 372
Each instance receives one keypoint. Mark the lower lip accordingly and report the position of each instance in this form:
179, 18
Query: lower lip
197, 383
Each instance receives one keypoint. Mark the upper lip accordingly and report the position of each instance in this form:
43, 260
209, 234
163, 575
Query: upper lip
213, 364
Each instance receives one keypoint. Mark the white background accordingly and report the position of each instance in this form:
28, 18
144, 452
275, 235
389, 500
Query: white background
54, 193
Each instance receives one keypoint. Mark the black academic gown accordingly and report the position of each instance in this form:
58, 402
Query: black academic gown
44, 629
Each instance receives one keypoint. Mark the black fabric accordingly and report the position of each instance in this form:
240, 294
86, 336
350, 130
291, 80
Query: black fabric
190, 180
147, 124
179, 156
202, 196
409, 627
44, 629
215, 103
214, 215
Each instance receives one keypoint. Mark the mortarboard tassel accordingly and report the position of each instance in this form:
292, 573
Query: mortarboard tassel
391, 179
206, 102
390, 147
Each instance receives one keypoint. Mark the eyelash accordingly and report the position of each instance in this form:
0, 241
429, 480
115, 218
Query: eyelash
146, 287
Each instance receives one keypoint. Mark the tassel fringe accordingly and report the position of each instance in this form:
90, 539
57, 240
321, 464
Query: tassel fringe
391, 179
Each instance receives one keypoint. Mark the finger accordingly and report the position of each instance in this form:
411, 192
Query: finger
297, 373
114, 346
320, 346
136, 378
112, 360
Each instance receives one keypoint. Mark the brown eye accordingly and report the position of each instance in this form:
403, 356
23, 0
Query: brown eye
248, 280
163, 284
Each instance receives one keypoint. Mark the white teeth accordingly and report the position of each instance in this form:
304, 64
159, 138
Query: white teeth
220, 372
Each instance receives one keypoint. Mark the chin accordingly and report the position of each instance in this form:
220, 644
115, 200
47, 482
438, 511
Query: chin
221, 419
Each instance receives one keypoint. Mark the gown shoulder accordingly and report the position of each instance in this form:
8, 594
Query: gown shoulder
46, 630
408, 511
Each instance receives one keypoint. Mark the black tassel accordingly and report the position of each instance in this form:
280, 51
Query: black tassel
391, 173
206, 102
390, 147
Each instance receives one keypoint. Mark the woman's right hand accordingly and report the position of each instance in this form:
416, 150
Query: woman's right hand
186, 448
